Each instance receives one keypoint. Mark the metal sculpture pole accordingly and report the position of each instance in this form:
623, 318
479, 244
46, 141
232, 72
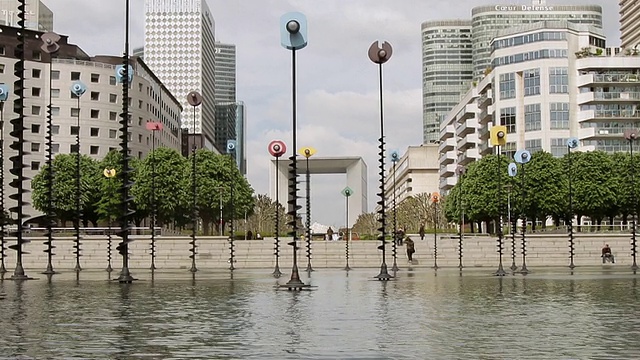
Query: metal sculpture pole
293, 36
153, 127
395, 156
435, 199
307, 152
231, 149
498, 139
78, 89
347, 192
631, 136
522, 157
4, 95
572, 143
195, 99
124, 75
277, 148
460, 170
380, 55
17, 170
109, 174
51, 47
513, 220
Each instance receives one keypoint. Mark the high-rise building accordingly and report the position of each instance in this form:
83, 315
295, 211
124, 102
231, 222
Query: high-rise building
449, 66
225, 73
447, 70
179, 48
629, 24
488, 20
37, 15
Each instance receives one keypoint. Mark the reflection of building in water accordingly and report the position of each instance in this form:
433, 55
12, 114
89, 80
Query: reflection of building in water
38, 16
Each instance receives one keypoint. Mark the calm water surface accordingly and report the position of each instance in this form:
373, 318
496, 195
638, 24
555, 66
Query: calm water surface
420, 315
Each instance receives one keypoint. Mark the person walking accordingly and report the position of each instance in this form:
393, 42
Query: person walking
421, 231
411, 249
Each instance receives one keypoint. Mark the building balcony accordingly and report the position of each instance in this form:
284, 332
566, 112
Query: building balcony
466, 127
447, 132
608, 115
447, 183
485, 149
468, 141
608, 97
447, 145
448, 157
607, 79
486, 115
485, 99
448, 170
469, 156
593, 133
469, 111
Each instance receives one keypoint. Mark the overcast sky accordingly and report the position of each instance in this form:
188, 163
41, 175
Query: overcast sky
337, 83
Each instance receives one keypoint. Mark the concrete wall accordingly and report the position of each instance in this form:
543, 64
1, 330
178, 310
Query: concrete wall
213, 253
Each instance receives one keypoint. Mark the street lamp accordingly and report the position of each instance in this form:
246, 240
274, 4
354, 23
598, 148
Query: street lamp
231, 150
522, 157
293, 36
51, 47
78, 89
572, 143
124, 75
347, 192
380, 55
277, 148
460, 170
307, 152
194, 99
109, 174
631, 135
395, 156
498, 137
153, 127
4, 95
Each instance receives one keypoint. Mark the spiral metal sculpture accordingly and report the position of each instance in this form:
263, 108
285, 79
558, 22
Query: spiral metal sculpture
4, 95
460, 170
277, 148
194, 99
572, 143
522, 157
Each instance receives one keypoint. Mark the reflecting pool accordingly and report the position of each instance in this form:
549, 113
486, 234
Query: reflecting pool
594, 314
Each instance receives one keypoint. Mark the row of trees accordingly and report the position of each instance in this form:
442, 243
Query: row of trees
602, 188
100, 198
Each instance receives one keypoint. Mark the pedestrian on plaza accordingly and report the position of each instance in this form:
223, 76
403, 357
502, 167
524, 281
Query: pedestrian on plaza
607, 255
421, 231
411, 249
249, 235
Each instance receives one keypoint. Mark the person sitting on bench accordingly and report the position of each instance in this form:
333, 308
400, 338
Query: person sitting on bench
607, 255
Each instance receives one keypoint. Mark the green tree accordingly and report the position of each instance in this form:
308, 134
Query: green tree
262, 219
483, 198
593, 185
366, 224
64, 188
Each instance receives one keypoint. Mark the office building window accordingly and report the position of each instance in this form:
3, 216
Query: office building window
75, 76
35, 165
55, 93
75, 112
531, 82
534, 145
113, 115
508, 119
112, 80
532, 117
35, 128
55, 129
113, 98
507, 86
95, 78
55, 148
559, 115
558, 147
558, 80
35, 92
94, 150
95, 132
55, 75
113, 133
35, 73
55, 111
35, 147
95, 113
35, 110
95, 96
73, 130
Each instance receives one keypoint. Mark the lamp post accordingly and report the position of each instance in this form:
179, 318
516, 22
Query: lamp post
293, 36
347, 192
78, 89
109, 174
307, 152
572, 143
395, 156
277, 148
195, 99
124, 75
153, 127
460, 170
513, 220
380, 55
498, 137
631, 135
4, 95
220, 226
522, 157
435, 199
231, 150
51, 47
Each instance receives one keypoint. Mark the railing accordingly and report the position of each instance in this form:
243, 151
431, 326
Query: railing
616, 78
614, 96
616, 113
143, 230
84, 63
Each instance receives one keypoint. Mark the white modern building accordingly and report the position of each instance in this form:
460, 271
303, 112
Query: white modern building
179, 48
415, 173
37, 15
629, 24
99, 110
225, 72
549, 81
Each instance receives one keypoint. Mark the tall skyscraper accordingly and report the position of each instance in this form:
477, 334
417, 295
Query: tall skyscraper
179, 48
448, 66
38, 16
629, 23
447, 70
225, 72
